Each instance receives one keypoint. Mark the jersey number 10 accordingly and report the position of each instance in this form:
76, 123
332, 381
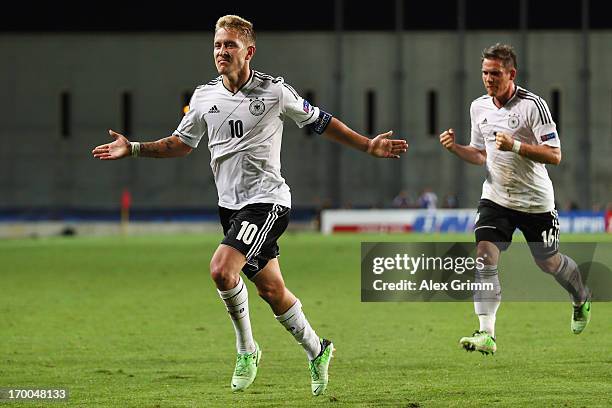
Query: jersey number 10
247, 232
236, 127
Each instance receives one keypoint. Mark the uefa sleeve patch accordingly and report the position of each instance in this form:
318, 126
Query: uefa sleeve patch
306, 106
549, 136
322, 121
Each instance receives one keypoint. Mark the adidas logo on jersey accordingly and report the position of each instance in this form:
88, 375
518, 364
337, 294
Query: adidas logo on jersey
484, 122
214, 109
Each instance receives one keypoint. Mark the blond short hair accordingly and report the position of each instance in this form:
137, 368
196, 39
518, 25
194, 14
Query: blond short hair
238, 24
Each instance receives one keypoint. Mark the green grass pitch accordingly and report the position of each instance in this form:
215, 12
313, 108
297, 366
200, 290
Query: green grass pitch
136, 322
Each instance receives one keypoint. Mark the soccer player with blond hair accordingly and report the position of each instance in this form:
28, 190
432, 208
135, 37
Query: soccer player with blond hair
241, 113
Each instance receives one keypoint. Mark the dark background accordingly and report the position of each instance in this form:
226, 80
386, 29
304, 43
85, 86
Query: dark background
311, 15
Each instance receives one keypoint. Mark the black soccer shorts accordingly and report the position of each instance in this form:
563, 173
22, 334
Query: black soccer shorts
497, 224
253, 230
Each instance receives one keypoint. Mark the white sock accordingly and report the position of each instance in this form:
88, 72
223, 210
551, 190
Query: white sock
295, 322
487, 323
237, 303
487, 302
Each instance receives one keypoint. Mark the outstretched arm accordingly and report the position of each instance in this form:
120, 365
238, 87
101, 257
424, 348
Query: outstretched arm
468, 153
170, 146
380, 146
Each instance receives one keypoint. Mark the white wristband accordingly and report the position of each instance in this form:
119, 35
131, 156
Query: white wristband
516, 146
135, 149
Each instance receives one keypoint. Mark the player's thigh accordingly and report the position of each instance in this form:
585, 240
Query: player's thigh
246, 229
227, 257
494, 224
254, 231
541, 231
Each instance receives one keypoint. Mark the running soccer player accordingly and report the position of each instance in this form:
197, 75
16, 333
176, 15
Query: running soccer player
514, 136
241, 113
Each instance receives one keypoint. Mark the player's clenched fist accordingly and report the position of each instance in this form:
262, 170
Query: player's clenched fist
447, 139
503, 141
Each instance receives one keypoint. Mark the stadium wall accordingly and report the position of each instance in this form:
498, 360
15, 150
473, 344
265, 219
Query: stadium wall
40, 167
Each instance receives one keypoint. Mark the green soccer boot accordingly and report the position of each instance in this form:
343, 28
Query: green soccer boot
319, 366
581, 317
246, 369
479, 341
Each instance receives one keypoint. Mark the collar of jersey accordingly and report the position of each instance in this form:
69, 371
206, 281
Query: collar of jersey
248, 81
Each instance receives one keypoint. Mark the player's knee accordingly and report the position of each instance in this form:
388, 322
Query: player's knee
549, 265
488, 253
220, 273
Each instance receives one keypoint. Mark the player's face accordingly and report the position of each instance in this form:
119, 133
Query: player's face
496, 78
230, 52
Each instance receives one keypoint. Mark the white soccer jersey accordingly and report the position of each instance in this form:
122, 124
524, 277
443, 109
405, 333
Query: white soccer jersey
514, 181
244, 131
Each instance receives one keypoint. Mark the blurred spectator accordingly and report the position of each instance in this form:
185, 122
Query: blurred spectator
402, 200
450, 201
571, 206
428, 199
